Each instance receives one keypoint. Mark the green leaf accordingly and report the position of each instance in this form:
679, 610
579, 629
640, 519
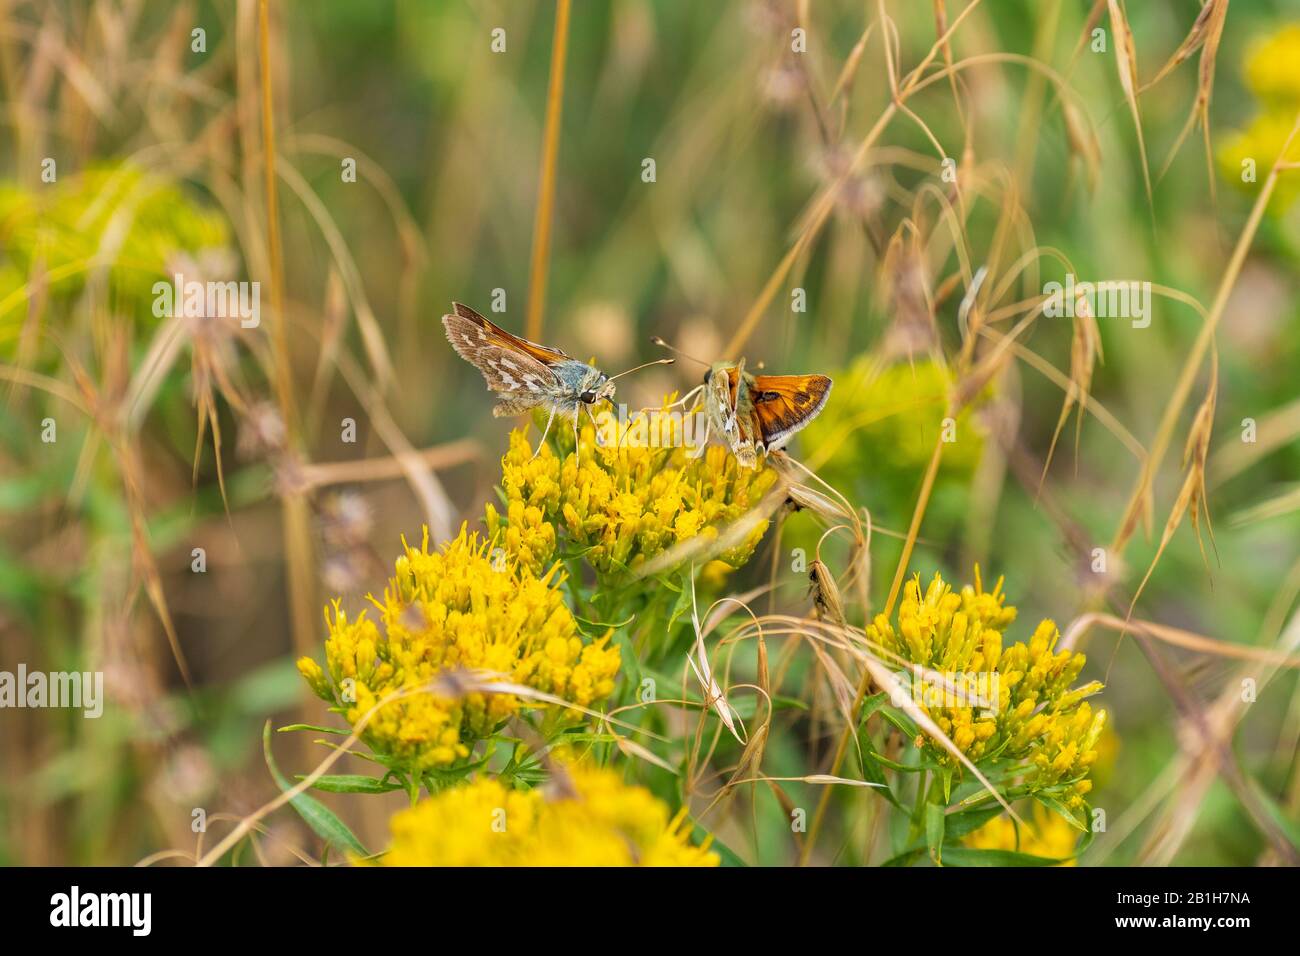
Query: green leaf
960, 824
871, 705
728, 855
934, 827
436, 780
682, 604
317, 816
1276, 813
601, 625
872, 769
906, 858
352, 783
1060, 809
901, 721
966, 856
748, 707
315, 727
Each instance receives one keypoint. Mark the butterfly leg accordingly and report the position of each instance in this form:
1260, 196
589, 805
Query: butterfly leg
594, 424
575, 428
685, 398
546, 431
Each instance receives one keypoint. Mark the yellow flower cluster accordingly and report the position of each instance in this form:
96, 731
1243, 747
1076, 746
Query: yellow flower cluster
63, 224
1015, 703
1271, 67
620, 505
1048, 835
458, 609
597, 820
1272, 76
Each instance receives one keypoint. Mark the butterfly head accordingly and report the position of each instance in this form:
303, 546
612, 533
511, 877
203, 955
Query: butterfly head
596, 388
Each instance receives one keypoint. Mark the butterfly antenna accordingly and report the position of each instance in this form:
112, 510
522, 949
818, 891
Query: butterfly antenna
662, 344
639, 367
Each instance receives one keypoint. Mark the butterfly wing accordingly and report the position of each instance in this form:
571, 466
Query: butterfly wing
727, 405
509, 364
542, 353
783, 404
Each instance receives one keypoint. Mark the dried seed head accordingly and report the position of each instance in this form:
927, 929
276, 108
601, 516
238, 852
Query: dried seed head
261, 433
345, 519
782, 86
905, 292
825, 593
860, 195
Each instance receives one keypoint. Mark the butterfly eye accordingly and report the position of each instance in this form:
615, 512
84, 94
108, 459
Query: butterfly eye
706, 376
588, 397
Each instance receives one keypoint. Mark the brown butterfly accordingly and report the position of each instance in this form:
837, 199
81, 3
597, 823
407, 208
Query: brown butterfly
527, 375
757, 413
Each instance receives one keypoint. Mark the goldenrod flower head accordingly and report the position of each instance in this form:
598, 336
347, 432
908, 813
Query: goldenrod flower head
1037, 717
1271, 74
457, 609
1048, 835
619, 505
62, 225
1260, 145
1271, 68
873, 447
598, 821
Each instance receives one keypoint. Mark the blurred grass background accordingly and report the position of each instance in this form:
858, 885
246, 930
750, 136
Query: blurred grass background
159, 161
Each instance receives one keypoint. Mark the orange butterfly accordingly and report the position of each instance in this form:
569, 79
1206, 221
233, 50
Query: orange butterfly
757, 413
760, 413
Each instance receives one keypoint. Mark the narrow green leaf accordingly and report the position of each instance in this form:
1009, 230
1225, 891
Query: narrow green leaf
315, 727
317, 816
960, 824
352, 783
934, 828
966, 856
1054, 804
727, 855
906, 858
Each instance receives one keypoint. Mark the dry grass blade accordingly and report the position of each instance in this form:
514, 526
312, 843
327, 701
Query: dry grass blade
1178, 637
321, 474
546, 178
1204, 339
372, 336
1285, 503
1082, 140
1191, 496
1126, 64
1274, 430
713, 695
1205, 34
1195, 39
1085, 350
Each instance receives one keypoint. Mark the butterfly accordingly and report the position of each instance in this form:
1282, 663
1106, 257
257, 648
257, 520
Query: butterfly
526, 375
757, 413
760, 413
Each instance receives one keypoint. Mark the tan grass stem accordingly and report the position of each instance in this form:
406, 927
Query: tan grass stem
546, 179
